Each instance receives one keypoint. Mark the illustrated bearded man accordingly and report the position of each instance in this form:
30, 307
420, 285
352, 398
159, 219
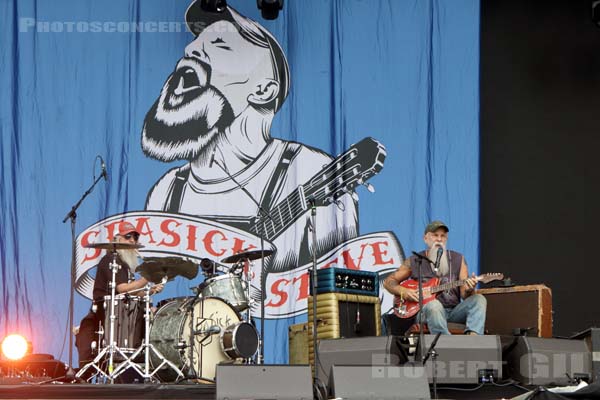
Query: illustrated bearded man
219, 104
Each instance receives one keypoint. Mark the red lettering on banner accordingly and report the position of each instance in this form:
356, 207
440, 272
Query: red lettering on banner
238, 246
191, 237
110, 229
283, 296
303, 289
143, 227
208, 242
164, 227
378, 253
85, 241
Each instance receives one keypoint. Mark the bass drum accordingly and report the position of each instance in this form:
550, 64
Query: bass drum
171, 328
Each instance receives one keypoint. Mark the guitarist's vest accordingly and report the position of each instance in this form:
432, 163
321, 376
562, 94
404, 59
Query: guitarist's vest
449, 298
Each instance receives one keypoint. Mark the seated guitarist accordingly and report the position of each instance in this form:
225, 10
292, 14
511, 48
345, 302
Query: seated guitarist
458, 304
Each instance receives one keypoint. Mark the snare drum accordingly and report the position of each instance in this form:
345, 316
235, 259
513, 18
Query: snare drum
129, 322
229, 287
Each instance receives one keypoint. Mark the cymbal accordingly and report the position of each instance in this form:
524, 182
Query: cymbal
247, 255
154, 269
114, 246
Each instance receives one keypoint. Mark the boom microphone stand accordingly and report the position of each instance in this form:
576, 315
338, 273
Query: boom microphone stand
263, 213
72, 215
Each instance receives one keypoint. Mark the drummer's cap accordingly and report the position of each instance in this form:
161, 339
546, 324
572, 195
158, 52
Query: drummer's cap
434, 226
126, 227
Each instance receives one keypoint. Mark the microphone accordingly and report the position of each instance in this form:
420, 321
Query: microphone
103, 167
440, 251
213, 330
212, 159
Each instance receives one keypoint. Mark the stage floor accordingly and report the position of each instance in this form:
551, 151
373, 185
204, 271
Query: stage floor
208, 391
196, 392
105, 391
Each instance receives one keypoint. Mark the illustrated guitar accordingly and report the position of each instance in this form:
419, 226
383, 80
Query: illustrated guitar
431, 288
350, 169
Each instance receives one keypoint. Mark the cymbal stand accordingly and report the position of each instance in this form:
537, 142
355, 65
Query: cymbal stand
146, 347
112, 348
249, 271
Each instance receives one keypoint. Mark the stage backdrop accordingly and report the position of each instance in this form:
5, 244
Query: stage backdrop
309, 109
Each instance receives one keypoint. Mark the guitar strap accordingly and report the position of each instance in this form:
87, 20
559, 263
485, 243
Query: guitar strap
174, 198
274, 186
272, 189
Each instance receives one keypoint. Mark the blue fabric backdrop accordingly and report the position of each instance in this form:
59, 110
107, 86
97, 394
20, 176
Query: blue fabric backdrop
404, 72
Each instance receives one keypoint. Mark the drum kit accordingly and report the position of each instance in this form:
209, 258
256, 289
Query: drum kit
183, 338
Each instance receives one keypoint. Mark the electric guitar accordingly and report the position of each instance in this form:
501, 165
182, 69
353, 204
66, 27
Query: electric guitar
407, 308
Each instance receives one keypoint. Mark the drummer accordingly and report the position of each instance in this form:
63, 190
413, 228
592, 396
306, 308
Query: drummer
128, 260
126, 283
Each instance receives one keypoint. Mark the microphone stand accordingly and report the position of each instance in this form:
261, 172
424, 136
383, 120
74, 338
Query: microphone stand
72, 215
262, 213
314, 285
433, 354
420, 278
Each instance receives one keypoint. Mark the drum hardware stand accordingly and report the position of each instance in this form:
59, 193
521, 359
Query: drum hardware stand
112, 347
263, 281
72, 215
191, 371
146, 347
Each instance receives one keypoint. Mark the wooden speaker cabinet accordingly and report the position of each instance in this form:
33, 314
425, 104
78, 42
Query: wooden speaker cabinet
514, 307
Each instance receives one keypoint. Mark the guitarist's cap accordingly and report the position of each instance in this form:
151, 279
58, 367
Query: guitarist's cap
435, 225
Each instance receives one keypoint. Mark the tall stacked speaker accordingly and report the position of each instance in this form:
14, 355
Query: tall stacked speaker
354, 361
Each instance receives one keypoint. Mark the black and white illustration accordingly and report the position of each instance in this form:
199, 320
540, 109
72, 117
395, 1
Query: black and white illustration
215, 113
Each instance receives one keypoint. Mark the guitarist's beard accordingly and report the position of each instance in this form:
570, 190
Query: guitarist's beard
444, 265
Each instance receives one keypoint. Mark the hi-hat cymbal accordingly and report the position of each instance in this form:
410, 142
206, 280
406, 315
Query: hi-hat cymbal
247, 255
114, 246
154, 269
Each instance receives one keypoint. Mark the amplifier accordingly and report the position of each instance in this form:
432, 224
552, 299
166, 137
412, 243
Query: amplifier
519, 307
350, 281
342, 315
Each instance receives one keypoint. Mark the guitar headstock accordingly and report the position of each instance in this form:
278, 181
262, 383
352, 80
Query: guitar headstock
350, 169
487, 278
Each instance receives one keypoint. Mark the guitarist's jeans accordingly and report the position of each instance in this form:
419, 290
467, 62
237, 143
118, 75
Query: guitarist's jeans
470, 311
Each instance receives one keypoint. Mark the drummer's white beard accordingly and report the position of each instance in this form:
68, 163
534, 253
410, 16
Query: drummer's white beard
444, 266
130, 257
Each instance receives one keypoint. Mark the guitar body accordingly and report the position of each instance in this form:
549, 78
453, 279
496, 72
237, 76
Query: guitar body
407, 308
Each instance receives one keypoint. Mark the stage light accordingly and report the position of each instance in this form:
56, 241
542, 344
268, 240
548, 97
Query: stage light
269, 9
213, 6
15, 347
596, 12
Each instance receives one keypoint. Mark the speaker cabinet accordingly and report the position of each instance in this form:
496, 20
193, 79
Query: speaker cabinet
342, 315
379, 382
376, 350
461, 359
237, 382
541, 361
591, 337
509, 308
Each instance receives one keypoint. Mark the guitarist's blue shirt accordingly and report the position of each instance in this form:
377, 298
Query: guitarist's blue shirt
449, 298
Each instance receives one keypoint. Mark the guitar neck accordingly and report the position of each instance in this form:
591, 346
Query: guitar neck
448, 286
282, 215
